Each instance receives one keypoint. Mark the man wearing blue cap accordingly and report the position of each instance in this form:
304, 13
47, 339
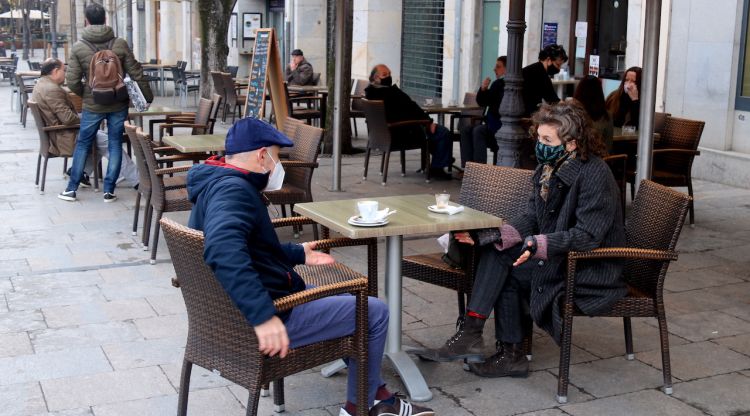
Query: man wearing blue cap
242, 249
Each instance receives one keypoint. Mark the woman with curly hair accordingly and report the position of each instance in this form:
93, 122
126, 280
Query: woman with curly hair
624, 104
574, 206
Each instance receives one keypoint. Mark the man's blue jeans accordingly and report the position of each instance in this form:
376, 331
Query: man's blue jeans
86, 135
333, 317
441, 147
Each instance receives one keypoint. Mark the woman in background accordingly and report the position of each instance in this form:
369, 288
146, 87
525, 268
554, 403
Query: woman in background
591, 96
624, 104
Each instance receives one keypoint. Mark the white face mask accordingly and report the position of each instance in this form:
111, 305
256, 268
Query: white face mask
276, 179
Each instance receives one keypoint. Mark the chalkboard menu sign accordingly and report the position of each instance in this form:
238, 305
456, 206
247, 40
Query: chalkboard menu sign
265, 71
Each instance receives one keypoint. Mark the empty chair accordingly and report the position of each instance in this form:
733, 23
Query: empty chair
220, 339
233, 101
385, 137
358, 92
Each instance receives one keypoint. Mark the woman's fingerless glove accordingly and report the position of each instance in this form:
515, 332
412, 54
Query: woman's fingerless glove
530, 245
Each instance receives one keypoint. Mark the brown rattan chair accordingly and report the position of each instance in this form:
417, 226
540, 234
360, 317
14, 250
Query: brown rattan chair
299, 169
651, 231
200, 123
500, 191
618, 165
232, 101
674, 155
219, 90
388, 137
24, 91
289, 128
220, 338
163, 198
358, 92
48, 134
144, 184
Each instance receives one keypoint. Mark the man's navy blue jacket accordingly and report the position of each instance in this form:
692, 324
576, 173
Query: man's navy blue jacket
241, 245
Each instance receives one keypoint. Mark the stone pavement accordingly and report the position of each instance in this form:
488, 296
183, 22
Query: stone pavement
88, 327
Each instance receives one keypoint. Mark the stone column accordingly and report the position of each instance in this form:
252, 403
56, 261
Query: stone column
511, 135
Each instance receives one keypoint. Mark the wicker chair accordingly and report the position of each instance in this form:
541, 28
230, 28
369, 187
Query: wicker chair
355, 112
189, 117
220, 338
218, 83
24, 92
651, 231
618, 165
289, 128
500, 191
233, 101
673, 158
299, 169
383, 136
163, 198
48, 134
144, 184
199, 123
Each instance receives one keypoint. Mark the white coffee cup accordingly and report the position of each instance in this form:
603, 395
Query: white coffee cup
368, 210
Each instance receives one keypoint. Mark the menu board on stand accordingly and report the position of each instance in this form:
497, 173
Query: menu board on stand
266, 76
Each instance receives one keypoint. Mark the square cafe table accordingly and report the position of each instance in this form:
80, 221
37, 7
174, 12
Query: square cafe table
196, 143
412, 218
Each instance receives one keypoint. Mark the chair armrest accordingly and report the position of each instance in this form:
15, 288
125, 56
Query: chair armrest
623, 253
330, 243
617, 156
409, 123
355, 286
58, 128
298, 164
169, 171
685, 151
163, 127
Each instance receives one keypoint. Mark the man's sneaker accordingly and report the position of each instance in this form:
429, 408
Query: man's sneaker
85, 181
399, 407
110, 197
67, 195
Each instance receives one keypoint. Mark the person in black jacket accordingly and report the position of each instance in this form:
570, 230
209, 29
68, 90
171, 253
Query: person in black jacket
475, 139
254, 268
574, 206
400, 107
537, 85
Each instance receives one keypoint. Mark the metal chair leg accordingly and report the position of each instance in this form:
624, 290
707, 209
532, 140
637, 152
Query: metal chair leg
628, 338
182, 399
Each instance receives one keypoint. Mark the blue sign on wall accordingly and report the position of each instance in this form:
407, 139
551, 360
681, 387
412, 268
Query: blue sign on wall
549, 34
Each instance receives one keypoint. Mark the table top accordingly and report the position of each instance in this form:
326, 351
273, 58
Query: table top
156, 110
412, 217
195, 143
323, 89
29, 73
157, 66
620, 136
448, 109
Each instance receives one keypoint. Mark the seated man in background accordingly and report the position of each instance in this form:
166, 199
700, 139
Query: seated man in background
475, 139
299, 71
254, 268
58, 110
400, 107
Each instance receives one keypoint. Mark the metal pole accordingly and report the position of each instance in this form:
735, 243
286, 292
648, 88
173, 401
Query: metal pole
53, 27
129, 23
511, 135
338, 86
457, 51
648, 91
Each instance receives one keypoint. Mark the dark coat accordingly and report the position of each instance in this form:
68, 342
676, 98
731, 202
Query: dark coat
241, 245
78, 67
582, 212
491, 98
537, 86
302, 75
399, 107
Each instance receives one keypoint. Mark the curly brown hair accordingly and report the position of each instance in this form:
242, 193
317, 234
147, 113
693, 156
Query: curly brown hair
572, 122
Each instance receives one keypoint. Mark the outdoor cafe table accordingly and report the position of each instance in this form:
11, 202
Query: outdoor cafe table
621, 136
442, 110
196, 143
152, 111
412, 218
315, 90
161, 68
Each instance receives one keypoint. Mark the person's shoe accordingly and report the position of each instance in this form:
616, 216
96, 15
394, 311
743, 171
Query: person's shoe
110, 197
67, 195
439, 174
465, 344
509, 361
399, 407
85, 181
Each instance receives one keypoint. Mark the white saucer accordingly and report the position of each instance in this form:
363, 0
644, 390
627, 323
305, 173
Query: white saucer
447, 210
356, 220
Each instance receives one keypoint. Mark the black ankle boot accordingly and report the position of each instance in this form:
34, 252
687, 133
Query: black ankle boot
509, 361
466, 344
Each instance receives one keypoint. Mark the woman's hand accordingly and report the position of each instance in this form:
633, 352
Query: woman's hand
528, 250
463, 237
632, 90
314, 258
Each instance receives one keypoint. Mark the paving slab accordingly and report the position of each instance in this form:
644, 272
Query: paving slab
742, 312
218, 401
145, 353
171, 326
15, 344
97, 312
648, 402
547, 412
604, 337
167, 304
52, 365
697, 279
701, 326
724, 395
91, 335
698, 360
104, 388
21, 321
614, 376
22, 399
739, 343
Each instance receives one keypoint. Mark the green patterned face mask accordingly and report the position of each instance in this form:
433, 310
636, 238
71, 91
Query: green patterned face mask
548, 155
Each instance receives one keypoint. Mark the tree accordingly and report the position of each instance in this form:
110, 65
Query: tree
25, 13
346, 129
53, 26
214, 17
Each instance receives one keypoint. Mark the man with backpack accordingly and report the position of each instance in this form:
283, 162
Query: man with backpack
97, 66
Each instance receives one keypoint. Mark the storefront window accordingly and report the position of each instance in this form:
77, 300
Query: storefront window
743, 83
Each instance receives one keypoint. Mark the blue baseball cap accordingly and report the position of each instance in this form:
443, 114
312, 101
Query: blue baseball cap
249, 134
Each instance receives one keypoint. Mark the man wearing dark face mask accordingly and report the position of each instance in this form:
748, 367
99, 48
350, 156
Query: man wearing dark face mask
400, 107
537, 85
